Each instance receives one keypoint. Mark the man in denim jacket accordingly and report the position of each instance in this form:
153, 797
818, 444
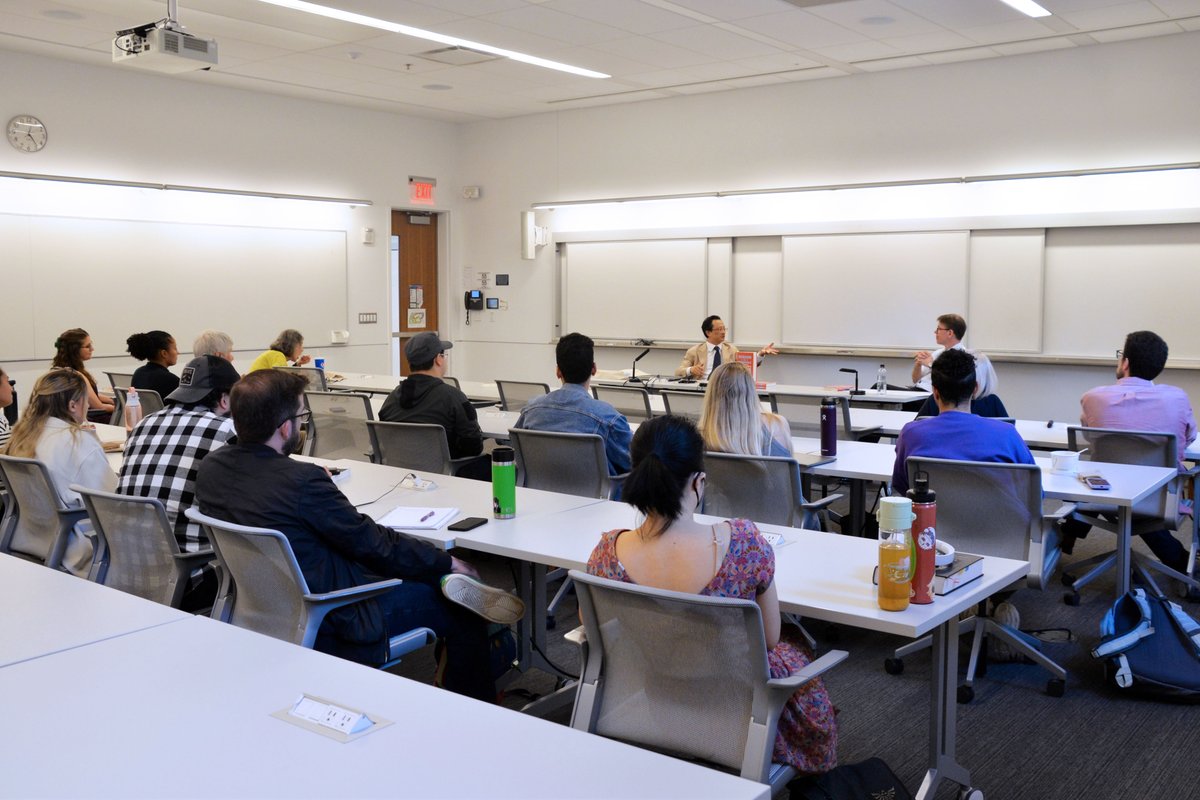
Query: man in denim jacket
572, 409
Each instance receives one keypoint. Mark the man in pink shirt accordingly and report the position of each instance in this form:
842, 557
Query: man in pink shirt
1135, 402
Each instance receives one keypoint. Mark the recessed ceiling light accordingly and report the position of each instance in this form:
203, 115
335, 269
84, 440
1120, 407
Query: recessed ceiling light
62, 13
436, 87
407, 30
878, 20
1027, 7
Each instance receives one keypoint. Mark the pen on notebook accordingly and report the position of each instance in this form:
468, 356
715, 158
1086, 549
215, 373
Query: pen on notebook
1050, 424
427, 516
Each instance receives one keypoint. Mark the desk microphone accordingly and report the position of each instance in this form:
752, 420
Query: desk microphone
633, 378
855, 391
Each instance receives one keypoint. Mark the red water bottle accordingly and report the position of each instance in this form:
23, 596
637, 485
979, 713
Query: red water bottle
924, 537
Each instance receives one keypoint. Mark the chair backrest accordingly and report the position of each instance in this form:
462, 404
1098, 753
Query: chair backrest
760, 488
677, 672
632, 401
991, 509
33, 524
411, 445
339, 425
571, 463
683, 403
269, 587
119, 380
314, 376
452, 381
150, 400
804, 414
137, 545
1144, 448
515, 394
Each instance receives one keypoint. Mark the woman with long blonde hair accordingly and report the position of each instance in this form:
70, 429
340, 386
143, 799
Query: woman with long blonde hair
732, 419
74, 347
51, 429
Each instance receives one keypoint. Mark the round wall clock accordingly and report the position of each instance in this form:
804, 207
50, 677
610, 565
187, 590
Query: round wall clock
26, 133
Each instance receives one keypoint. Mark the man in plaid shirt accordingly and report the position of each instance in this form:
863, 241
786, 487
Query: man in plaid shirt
164, 451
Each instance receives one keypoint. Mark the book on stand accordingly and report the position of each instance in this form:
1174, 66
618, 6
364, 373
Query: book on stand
965, 568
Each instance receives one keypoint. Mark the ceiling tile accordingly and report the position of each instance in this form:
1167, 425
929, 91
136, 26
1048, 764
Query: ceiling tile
885, 64
779, 62
929, 42
1007, 32
952, 56
858, 51
716, 42
1034, 46
658, 54
631, 16
867, 17
800, 29
1137, 32
555, 25
1113, 16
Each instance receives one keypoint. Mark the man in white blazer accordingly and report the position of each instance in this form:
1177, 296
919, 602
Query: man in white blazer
698, 361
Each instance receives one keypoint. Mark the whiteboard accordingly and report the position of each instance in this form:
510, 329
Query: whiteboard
1102, 283
650, 289
118, 277
872, 290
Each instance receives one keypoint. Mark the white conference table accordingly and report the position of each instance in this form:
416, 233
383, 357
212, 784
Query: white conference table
185, 709
47, 611
892, 397
862, 462
821, 575
383, 384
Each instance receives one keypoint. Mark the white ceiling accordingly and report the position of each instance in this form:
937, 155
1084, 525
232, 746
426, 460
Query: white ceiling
652, 48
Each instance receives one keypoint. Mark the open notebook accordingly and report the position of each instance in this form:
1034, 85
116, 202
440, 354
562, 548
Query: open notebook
417, 518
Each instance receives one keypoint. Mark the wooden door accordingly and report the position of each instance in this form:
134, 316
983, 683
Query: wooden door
417, 235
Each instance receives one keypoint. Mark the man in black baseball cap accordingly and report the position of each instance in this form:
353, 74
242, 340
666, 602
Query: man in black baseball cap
424, 397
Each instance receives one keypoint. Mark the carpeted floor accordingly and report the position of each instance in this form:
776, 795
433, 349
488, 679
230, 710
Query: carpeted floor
1019, 743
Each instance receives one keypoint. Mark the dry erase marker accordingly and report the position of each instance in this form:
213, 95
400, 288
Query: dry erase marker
427, 516
1050, 424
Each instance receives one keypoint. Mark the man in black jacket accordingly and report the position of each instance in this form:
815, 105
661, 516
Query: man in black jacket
253, 482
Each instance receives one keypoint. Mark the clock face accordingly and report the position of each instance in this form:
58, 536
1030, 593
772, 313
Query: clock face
26, 133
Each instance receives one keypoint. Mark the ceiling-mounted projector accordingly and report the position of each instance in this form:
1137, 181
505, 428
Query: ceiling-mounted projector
163, 46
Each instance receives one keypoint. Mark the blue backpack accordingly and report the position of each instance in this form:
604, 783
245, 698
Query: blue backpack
1151, 648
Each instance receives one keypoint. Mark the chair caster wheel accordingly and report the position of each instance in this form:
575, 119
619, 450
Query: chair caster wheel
893, 666
1056, 687
965, 695
970, 794
551, 622
1071, 598
1066, 578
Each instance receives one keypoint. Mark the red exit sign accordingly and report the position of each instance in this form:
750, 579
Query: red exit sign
421, 191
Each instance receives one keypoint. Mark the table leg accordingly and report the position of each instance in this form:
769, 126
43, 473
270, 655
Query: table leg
1124, 548
858, 506
942, 705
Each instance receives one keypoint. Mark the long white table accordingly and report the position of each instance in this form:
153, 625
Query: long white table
892, 397
184, 710
820, 575
47, 611
383, 384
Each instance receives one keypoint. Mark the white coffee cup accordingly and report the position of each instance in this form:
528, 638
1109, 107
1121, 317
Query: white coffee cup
1064, 461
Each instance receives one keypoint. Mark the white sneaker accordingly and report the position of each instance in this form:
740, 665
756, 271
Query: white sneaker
495, 605
1006, 614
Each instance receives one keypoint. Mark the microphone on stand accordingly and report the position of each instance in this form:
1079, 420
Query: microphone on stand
855, 391
633, 378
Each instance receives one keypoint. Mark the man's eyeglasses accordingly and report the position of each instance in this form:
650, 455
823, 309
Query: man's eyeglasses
305, 417
1120, 354
941, 330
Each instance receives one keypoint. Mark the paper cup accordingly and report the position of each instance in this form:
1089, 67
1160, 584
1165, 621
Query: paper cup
1065, 462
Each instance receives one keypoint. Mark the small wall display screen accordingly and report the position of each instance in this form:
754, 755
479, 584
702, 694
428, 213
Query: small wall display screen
493, 302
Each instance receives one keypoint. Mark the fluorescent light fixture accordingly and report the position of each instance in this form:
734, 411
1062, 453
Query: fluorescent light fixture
1027, 7
419, 33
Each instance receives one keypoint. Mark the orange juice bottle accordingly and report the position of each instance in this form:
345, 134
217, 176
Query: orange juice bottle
895, 553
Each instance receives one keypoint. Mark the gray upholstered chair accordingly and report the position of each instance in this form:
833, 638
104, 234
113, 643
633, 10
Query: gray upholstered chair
264, 590
136, 547
632, 401
150, 401
683, 403
570, 463
314, 376
515, 394
339, 425
761, 488
653, 676
414, 445
36, 524
993, 509
118, 380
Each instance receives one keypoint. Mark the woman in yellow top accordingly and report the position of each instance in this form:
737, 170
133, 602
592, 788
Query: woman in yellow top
286, 350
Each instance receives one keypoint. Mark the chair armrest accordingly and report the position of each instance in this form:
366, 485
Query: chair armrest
615, 482
353, 594
1048, 520
577, 636
822, 504
409, 641
813, 670
196, 559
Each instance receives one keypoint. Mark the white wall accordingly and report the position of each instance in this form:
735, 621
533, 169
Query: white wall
109, 122
1125, 103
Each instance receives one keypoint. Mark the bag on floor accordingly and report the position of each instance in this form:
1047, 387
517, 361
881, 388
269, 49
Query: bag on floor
866, 780
1151, 648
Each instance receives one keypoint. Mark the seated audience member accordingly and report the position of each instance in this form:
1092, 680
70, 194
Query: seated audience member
985, 403
949, 333
74, 347
670, 550
1136, 403
286, 350
253, 482
572, 409
425, 398
955, 432
158, 350
699, 361
164, 451
6, 400
51, 430
732, 419
213, 343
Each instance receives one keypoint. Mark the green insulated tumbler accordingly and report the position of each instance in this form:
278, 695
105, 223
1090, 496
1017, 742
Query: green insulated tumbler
504, 483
